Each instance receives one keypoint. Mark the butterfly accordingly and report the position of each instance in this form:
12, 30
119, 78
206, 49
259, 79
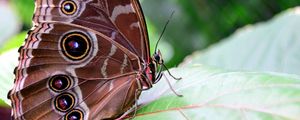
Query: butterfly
83, 59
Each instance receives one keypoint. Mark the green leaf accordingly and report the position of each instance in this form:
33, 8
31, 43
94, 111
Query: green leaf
270, 46
8, 62
3, 104
180, 29
212, 94
14, 42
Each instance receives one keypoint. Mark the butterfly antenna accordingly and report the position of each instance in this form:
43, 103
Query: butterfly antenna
165, 27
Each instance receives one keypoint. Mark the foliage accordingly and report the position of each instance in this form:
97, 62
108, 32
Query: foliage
271, 46
198, 24
25, 11
14, 42
2, 103
213, 94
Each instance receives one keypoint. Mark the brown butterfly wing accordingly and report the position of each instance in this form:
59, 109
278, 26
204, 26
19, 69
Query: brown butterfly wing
103, 84
121, 20
129, 20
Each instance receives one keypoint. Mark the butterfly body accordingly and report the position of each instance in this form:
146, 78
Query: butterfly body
83, 59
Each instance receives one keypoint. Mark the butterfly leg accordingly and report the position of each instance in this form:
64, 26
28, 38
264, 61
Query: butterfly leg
171, 87
136, 103
159, 75
163, 65
144, 82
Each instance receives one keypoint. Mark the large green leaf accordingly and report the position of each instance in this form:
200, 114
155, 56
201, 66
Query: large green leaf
270, 46
212, 94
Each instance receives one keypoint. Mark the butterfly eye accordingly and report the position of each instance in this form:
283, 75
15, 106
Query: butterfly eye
75, 46
64, 102
59, 83
74, 115
69, 7
157, 57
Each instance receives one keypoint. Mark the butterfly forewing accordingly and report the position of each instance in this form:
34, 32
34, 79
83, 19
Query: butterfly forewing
129, 20
121, 20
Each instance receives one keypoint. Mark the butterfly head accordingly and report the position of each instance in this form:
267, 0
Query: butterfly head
157, 57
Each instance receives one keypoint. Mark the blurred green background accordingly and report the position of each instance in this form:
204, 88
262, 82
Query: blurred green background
196, 24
